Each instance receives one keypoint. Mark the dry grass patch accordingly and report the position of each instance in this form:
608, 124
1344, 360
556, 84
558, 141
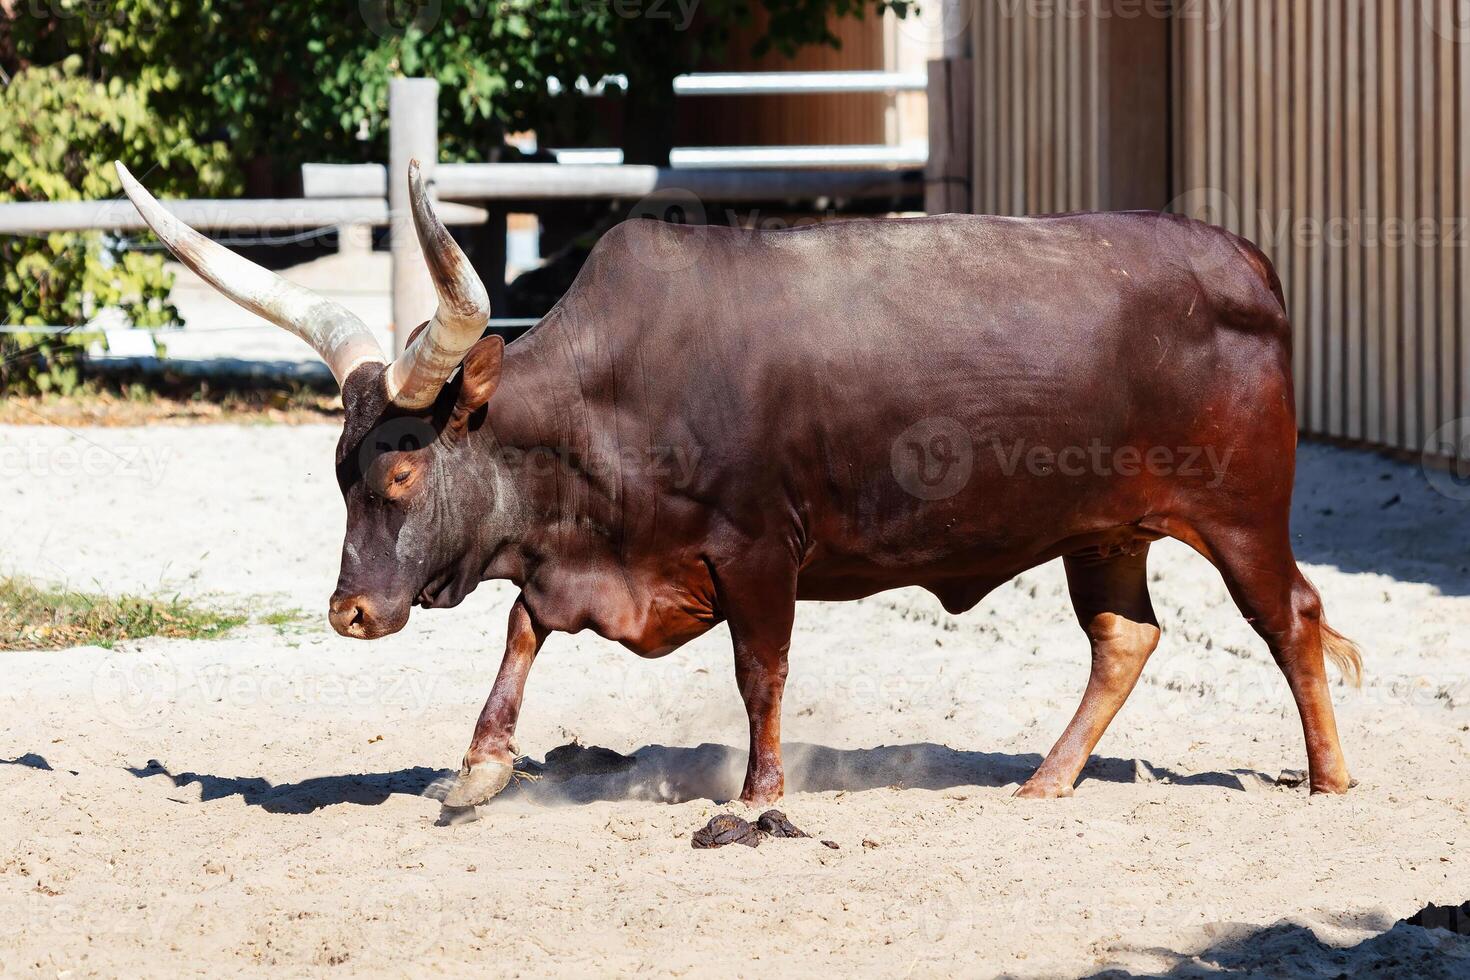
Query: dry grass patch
174, 400
39, 617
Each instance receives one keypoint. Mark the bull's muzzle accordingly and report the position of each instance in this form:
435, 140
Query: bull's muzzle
361, 618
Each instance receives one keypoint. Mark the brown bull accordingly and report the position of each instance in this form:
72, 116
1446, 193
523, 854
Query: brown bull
713, 424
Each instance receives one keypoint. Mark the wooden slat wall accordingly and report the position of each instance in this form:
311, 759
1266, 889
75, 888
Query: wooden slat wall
1338, 134
1037, 112
781, 120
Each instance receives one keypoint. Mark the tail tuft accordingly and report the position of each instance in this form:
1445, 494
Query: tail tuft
1344, 654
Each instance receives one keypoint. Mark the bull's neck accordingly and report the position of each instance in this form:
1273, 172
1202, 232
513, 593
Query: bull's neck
541, 432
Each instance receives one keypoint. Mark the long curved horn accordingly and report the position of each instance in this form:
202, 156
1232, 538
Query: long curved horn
416, 375
333, 331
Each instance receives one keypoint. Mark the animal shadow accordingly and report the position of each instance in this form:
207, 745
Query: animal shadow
676, 774
670, 774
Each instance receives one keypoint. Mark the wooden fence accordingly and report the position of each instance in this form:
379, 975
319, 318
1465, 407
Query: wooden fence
1335, 133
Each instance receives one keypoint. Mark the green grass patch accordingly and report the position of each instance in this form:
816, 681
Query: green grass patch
40, 617
285, 620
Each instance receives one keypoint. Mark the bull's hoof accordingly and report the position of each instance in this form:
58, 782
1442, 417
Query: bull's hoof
477, 784
1332, 787
1034, 789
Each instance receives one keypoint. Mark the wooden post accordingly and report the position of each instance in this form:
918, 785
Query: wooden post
413, 133
947, 175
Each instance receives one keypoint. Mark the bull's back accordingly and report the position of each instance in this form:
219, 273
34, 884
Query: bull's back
931, 394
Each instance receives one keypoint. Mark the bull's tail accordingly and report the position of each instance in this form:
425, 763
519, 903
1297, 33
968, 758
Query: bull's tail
1343, 653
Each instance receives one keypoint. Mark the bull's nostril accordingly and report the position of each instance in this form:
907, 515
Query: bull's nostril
350, 615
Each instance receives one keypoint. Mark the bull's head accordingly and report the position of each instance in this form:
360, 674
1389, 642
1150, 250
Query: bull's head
397, 462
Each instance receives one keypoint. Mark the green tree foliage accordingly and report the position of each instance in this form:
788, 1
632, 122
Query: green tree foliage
59, 133
308, 80
203, 93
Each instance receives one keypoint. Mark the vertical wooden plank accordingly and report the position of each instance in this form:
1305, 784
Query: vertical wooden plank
984, 120
1317, 209
987, 129
1228, 190
1033, 112
1097, 119
1391, 45
1020, 130
1197, 121
1282, 206
1215, 95
1250, 137
1076, 200
1043, 82
1445, 131
1408, 203
1176, 108
1462, 127
1060, 122
1374, 151
1331, 314
1006, 91
1428, 274
1265, 137
1302, 274
1351, 343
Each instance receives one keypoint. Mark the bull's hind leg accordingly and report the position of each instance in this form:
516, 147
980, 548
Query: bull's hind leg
1283, 607
1110, 596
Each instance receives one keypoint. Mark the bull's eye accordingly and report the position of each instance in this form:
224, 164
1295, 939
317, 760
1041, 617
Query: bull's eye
401, 476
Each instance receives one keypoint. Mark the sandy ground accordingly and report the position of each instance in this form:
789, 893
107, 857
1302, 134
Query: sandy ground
264, 802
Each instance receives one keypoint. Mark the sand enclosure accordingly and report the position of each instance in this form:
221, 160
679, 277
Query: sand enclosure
264, 801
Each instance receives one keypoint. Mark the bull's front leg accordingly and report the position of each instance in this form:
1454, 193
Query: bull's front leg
760, 608
488, 763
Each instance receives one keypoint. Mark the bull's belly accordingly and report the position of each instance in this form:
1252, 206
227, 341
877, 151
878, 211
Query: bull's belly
962, 575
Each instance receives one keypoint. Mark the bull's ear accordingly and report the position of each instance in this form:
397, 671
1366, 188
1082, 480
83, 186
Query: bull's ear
479, 377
